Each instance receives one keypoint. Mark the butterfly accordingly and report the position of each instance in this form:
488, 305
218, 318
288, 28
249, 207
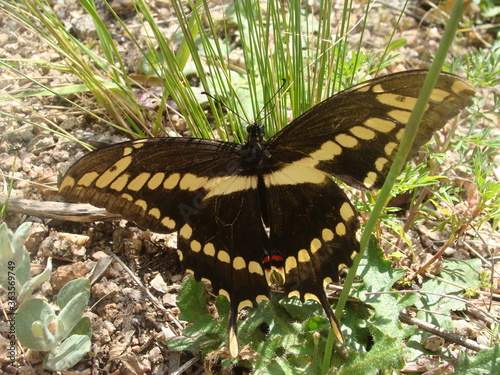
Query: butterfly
247, 212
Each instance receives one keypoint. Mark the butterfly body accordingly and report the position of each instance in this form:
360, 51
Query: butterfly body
240, 210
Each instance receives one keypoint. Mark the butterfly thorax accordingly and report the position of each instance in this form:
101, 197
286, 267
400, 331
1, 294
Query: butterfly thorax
253, 152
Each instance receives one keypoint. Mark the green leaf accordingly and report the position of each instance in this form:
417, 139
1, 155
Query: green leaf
204, 333
31, 284
68, 354
379, 277
83, 327
483, 363
14, 258
458, 272
71, 314
387, 353
71, 289
28, 314
396, 44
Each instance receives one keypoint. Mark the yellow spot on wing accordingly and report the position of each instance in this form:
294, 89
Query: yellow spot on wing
155, 213
362, 132
380, 125
67, 182
239, 263
439, 95
229, 184
398, 101
192, 182
127, 151
223, 256
243, 304
390, 147
142, 204
327, 151
224, 293
171, 181
261, 297
120, 182
303, 256
327, 234
233, 341
139, 143
346, 140
127, 197
370, 179
294, 174
139, 181
186, 231
195, 246
294, 293
326, 281
290, 263
315, 246
346, 211
156, 180
109, 176
399, 134
380, 164
401, 116
311, 296
254, 267
87, 178
209, 249
363, 88
168, 222
340, 229
458, 86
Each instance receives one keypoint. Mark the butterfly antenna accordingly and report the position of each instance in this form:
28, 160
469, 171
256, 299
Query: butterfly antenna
261, 118
222, 104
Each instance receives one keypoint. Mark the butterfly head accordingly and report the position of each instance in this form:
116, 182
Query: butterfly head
255, 134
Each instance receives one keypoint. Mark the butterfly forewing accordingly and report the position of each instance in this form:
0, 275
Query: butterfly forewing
155, 183
355, 134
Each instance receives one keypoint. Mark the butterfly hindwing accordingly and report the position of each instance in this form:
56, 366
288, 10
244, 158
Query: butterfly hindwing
325, 227
224, 244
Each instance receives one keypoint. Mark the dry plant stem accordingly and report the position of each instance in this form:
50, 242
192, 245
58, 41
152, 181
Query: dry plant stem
82, 213
438, 255
447, 244
186, 366
489, 294
145, 290
487, 317
426, 191
448, 336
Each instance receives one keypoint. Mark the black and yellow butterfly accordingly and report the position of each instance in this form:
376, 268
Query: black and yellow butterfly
243, 210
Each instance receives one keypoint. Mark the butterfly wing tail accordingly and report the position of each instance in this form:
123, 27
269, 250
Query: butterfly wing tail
232, 333
331, 316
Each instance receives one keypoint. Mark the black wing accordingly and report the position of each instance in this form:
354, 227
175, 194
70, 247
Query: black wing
192, 186
354, 135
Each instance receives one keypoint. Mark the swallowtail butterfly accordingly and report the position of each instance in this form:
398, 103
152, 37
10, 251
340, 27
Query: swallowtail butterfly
243, 210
